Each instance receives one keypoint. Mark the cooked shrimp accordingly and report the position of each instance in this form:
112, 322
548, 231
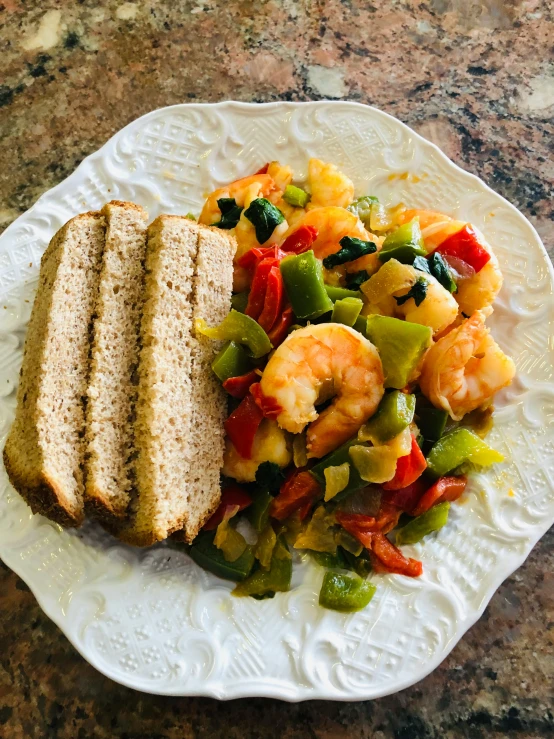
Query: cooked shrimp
328, 185
281, 174
243, 191
465, 368
314, 364
271, 444
437, 310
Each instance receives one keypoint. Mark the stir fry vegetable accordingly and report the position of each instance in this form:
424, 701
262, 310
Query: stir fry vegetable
303, 276
345, 593
239, 328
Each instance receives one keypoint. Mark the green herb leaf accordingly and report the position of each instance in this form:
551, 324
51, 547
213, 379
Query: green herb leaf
439, 269
351, 249
422, 265
265, 217
269, 476
354, 281
230, 213
418, 292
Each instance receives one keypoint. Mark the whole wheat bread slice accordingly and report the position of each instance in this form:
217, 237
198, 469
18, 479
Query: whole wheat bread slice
44, 451
180, 409
112, 386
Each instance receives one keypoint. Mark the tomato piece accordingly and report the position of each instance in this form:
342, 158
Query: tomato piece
268, 405
465, 245
239, 386
232, 496
296, 492
300, 241
280, 329
274, 298
408, 468
386, 555
242, 424
445, 489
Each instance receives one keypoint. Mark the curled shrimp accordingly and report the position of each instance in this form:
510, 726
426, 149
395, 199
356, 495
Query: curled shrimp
271, 444
328, 185
475, 291
465, 368
314, 364
243, 191
437, 310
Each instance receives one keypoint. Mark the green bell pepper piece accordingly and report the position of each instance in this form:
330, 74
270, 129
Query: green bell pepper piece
338, 293
394, 414
401, 345
258, 512
303, 278
360, 564
404, 244
265, 583
458, 447
296, 197
334, 459
362, 208
343, 593
431, 422
239, 301
331, 561
346, 311
231, 361
209, 557
432, 520
240, 328
360, 324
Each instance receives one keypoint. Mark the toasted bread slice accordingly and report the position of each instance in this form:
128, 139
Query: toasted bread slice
112, 389
44, 451
180, 408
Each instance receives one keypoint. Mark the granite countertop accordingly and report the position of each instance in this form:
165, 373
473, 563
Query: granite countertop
474, 76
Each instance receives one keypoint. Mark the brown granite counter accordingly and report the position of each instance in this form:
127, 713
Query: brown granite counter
474, 76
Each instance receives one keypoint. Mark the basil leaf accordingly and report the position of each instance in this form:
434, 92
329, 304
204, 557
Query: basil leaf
265, 217
230, 213
418, 292
351, 249
439, 269
270, 477
354, 281
421, 264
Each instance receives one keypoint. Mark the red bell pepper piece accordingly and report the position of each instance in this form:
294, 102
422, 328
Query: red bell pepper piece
232, 496
250, 259
406, 498
408, 468
274, 298
239, 386
386, 557
268, 405
242, 424
465, 245
385, 520
262, 170
256, 297
280, 329
300, 241
296, 492
445, 489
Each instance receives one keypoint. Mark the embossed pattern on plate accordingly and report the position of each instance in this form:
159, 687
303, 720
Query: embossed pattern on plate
152, 619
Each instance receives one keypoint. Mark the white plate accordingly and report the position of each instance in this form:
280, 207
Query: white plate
152, 619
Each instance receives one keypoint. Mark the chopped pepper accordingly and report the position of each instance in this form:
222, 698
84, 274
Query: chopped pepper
394, 414
458, 447
406, 499
408, 468
445, 489
267, 404
258, 290
465, 245
401, 345
258, 512
300, 240
296, 197
433, 520
338, 293
344, 593
228, 540
361, 325
300, 488
281, 327
239, 301
232, 496
231, 361
336, 479
403, 244
361, 207
240, 328
335, 561
239, 387
374, 464
303, 276
431, 422
242, 424
273, 301
265, 545
335, 459
265, 583
346, 311
318, 535
385, 557
210, 558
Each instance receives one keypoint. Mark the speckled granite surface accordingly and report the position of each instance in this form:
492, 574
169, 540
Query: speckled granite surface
474, 76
